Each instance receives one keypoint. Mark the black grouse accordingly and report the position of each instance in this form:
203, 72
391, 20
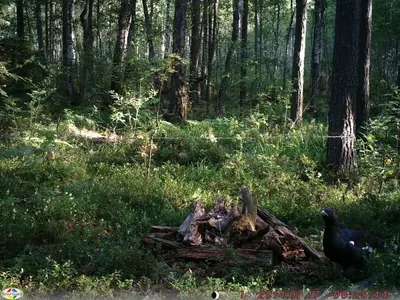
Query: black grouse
344, 246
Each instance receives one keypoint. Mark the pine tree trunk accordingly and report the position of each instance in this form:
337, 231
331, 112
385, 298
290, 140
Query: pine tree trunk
46, 26
316, 55
195, 53
243, 56
120, 47
132, 29
204, 57
364, 62
167, 34
149, 31
341, 141
276, 43
68, 47
298, 62
86, 19
20, 19
39, 25
287, 51
179, 106
212, 37
226, 79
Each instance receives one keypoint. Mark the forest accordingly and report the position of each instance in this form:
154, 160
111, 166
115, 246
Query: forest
131, 130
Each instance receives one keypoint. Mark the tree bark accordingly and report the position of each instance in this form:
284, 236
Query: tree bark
120, 47
167, 34
287, 51
298, 62
276, 43
195, 53
212, 39
132, 29
204, 57
243, 56
341, 133
364, 62
39, 25
149, 31
68, 47
20, 19
179, 105
316, 55
86, 19
226, 79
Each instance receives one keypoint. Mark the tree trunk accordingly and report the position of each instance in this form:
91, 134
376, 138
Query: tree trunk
20, 19
120, 47
167, 34
68, 47
226, 79
298, 61
46, 25
316, 55
195, 53
86, 19
212, 37
364, 62
243, 56
39, 26
149, 31
179, 106
132, 29
204, 57
276, 43
257, 55
341, 133
287, 52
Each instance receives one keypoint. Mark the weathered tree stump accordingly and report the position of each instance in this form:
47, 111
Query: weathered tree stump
252, 236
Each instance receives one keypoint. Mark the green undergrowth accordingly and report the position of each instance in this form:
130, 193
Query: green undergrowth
74, 208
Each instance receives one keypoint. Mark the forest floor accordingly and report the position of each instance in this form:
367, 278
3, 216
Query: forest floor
77, 199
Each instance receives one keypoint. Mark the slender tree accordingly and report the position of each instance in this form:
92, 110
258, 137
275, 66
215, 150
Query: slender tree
212, 40
195, 52
132, 29
68, 47
298, 62
120, 46
342, 118
167, 33
243, 56
204, 56
87, 66
316, 56
226, 79
149, 31
179, 105
20, 19
287, 44
39, 25
364, 61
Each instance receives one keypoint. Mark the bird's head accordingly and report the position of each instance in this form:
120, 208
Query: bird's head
329, 215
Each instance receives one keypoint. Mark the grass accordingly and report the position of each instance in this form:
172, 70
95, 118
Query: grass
74, 210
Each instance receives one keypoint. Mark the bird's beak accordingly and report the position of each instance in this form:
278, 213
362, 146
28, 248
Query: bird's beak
323, 212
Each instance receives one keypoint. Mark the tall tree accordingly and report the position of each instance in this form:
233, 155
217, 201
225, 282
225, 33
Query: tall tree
316, 56
20, 19
364, 62
167, 33
226, 79
132, 28
212, 40
149, 30
195, 52
298, 62
120, 46
243, 56
179, 106
68, 47
204, 56
86, 19
342, 124
39, 26
287, 44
